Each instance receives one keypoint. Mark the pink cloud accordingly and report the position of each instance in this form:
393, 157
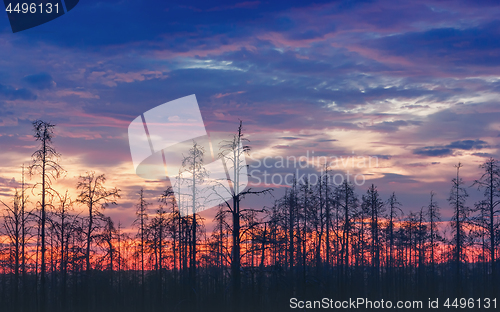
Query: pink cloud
221, 95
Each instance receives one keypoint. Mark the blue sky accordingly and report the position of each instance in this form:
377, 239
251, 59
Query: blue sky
414, 82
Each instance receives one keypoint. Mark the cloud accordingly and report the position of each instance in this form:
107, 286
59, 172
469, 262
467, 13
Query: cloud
220, 95
399, 178
387, 157
80, 94
487, 155
326, 140
8, 184
390, 126
423, 164
11, 93
468, 144
40, 81
439, 46
433, 151
111, 79
450, 148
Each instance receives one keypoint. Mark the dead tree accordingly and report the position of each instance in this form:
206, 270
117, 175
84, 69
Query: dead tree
489, 207
233, 153
348, 204
45, 162
394, 212
95, 196
140, 222
192, 166
12, 222
434, 216
458, 196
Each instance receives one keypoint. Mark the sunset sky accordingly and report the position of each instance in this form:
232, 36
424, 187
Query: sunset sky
415, 83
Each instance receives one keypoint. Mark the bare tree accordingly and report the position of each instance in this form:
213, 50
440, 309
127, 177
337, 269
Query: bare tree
158, 235
173, 225
12, 225
25, 215
107, 238
140, 221
62, 212
328, 218
192, 164
458, 196
489, 206
45, 162
348, 204
374, 207
233, 153
394, 212
434, 216
95, 196
292, 222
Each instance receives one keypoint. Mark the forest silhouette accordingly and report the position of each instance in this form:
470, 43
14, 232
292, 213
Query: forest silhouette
316, 241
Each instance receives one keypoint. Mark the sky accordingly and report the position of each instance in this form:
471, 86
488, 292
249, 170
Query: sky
413, 83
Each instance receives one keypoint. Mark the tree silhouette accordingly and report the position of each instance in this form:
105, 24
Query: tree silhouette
457, 198
313, 241
140, 222
95, 196
233, 154
489, 208
62, 228
45, 161
12, 224
348, 204
434, 217
192, 164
